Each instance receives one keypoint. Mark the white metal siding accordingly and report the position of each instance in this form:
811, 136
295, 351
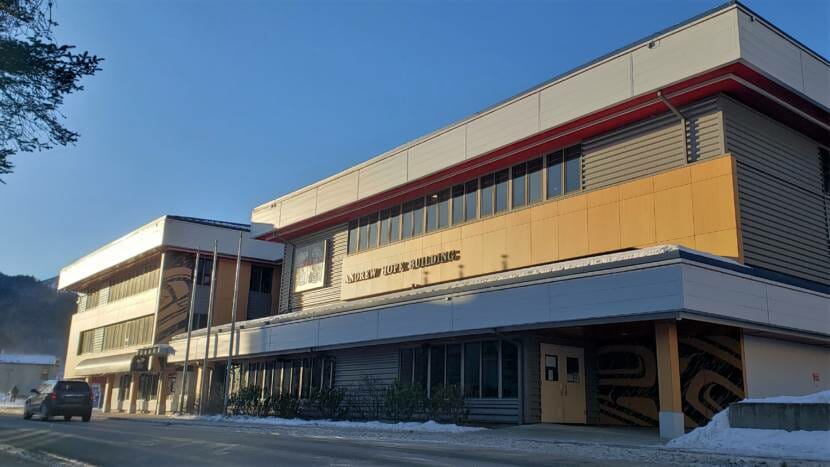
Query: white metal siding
503, 126
336, 238
435, 153
299, 207
766, 49
383, 175
337, 192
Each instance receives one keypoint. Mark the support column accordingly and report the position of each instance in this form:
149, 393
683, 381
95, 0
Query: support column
161, 402
668, 379
106, 407
133, 392
196, 404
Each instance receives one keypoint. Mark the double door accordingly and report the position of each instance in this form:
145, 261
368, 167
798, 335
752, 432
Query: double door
563, 384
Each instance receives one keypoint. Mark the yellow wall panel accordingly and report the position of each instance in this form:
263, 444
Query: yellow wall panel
573, 234
673, 213
604, 228
637, 221
713, 206
693, 206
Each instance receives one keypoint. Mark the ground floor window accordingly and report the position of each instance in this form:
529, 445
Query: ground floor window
295, 377
124, 387
148, 386
484, 369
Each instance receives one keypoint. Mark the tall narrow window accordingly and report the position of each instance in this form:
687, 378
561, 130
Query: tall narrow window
472, 369
384, 227
454, 365
420, 363
555, 174
490, 369
444, 208
502, 179
436, 367
573, 169
405, 374
418, 217
395, 223
487, 190
519, 186
406, 224
457, 204
373, 230
534, 181
363, 242
471, 200
432, 212
509, 369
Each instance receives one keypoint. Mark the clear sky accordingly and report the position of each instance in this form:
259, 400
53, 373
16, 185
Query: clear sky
209, 108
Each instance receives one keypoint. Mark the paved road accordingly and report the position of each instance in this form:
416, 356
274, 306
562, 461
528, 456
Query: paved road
128, 442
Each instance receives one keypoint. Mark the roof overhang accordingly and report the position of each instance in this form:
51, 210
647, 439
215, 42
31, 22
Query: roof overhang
105, 365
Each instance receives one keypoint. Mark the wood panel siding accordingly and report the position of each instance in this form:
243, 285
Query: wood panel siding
783, 213
336, 243
652, 146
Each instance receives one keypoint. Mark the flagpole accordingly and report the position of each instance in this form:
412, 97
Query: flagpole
209, 322
233, 324
189, 330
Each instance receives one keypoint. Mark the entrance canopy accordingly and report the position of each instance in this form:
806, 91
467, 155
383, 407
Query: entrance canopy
103, 365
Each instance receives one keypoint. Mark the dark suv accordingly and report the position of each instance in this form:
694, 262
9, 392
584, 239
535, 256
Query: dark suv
56, 398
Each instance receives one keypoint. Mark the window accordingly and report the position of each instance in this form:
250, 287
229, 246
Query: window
384, 227
534, 180
205, 270
573, 169
509, 369
502, 179
555, 174
405, 372
148, 386
490, 369
436, 367
373, 230
395, 224
551, 368
261, 277
457, 204
353, 236
470, 200
419, 363
487, 191
572, 368
418, 216
406, 225
519, 185
363, 234
454, 365
472, 369
432, 212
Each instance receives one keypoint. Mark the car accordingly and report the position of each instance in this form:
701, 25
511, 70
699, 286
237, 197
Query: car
54, 398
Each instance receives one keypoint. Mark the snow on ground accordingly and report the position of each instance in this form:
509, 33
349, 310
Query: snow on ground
717, 436
423, 427
5, 403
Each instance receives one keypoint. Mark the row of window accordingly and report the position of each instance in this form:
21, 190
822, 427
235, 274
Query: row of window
297, 378
133, 281
116, 336
488, 369
523, 184
261, 276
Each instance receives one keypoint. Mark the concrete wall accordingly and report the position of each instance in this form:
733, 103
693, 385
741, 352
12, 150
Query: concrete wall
25, 377
779, 368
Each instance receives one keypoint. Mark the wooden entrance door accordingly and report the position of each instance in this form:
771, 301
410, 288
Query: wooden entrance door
563, 384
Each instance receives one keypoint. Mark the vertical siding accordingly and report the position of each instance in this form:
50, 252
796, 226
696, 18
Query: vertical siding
652, 146
532, 382
784, 219
336, 238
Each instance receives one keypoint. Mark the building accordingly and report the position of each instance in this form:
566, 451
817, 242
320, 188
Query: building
25, 371
135, 293
639, 241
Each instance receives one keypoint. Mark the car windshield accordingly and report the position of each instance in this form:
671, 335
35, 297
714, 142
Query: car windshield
72, 386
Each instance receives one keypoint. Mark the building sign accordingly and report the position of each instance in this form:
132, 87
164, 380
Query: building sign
397, 268
310, 266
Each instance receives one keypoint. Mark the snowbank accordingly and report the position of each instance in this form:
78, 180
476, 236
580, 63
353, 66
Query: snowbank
424, 427
718, 436
6, 404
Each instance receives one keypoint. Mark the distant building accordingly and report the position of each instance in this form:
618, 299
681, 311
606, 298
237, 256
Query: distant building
135, 293
639, 241
25, 371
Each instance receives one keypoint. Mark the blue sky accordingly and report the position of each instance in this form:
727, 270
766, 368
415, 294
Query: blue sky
209, 108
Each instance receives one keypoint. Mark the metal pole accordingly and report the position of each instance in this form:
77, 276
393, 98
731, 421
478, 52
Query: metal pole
209, 319
189, 330
233, 324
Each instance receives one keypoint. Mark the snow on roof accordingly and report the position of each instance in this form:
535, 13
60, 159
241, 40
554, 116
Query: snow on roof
28, 359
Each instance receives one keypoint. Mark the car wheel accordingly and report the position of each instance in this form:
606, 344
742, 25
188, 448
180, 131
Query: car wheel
27, 415
67, 417
44, 413
86, 416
